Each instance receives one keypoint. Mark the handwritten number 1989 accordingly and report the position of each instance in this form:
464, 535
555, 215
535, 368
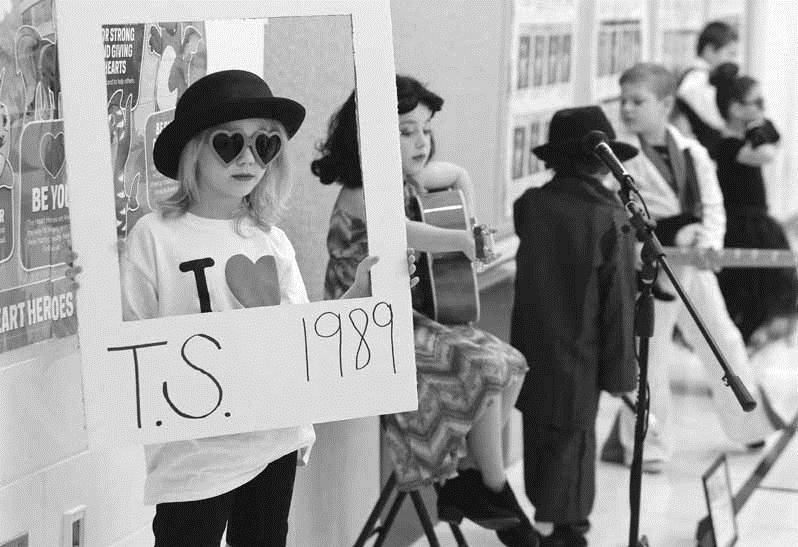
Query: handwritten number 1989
330, 324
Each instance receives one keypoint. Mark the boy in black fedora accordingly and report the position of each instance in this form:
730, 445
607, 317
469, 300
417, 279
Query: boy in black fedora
572, 319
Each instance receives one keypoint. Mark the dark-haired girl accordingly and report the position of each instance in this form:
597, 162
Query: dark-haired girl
762, 302
468, 379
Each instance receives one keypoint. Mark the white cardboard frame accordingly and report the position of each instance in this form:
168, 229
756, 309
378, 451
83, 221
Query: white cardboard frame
279, 375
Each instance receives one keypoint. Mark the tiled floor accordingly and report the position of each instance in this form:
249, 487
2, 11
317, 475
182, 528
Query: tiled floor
673, 502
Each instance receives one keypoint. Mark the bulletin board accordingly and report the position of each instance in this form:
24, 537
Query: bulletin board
36, 301
678, 23
620, 39
206, 374
732, 12
544, 40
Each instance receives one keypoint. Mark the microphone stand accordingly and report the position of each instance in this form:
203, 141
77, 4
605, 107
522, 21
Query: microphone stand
653, 257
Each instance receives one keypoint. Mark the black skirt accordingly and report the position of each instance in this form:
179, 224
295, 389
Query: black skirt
756, 296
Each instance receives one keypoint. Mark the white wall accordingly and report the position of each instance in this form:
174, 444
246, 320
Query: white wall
46, 468
773, 38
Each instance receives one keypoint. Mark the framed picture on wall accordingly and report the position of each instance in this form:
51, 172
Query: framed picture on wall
565, 58
519, 152
538, 60
523, 62
554, 59
163, 376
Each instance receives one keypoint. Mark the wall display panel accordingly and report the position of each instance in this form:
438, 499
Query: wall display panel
620, 39
36, 302
676, 27
732, 12
147, 68
542, 81
308, 363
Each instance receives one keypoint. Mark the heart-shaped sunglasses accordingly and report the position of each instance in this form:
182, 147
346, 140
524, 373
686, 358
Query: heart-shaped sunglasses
227, 145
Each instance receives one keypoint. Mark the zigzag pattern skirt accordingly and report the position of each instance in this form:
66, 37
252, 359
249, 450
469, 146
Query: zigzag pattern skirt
459, 370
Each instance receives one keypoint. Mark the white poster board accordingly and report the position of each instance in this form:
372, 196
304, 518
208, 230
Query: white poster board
200, 375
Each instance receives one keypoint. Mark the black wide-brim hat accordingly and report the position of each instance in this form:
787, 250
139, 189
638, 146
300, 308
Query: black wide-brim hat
217, 98
567, 132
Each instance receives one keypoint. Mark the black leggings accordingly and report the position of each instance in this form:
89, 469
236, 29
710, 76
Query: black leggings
255, 513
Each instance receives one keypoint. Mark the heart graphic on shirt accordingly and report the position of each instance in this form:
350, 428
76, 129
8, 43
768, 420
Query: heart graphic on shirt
254, 285
51, 152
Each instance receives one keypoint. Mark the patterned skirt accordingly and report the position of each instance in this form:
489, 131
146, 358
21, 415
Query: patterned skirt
459, 370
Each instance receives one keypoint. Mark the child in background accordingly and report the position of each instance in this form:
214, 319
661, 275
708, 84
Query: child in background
572, 320
762, 302
678, 183
468, 379
227, 147
697, 113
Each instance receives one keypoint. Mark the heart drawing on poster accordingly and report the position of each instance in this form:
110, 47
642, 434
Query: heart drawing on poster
51, 152
254, 285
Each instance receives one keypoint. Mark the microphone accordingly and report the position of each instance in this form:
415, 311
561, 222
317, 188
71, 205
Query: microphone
595, 142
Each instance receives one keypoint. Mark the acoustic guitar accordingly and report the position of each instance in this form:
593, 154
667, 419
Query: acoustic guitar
447, 290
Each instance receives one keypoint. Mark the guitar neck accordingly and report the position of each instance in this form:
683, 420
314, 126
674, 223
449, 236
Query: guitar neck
731, 258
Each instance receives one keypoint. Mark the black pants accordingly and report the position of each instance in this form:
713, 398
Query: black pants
255, 513
560, 473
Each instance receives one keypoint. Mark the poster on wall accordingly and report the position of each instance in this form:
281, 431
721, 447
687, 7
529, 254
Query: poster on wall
542, 76
620, 41
733, 13
677, 26
36, 301
147, 67
266, 363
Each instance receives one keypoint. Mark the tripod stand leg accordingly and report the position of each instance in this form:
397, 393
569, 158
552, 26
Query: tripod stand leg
423, 516
635, 478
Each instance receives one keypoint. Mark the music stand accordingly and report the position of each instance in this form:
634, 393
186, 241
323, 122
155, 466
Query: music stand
720, 503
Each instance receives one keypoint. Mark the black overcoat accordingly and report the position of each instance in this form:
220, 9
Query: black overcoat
573, 310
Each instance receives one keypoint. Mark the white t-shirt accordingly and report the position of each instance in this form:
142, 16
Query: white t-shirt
154, 286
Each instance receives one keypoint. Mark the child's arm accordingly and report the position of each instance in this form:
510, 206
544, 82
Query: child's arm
440, 175
762, 154
361, 287
434, 239
760, 144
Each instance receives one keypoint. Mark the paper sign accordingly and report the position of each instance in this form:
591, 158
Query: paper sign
206, 374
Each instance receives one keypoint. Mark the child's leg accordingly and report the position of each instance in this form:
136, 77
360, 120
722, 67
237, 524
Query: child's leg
192, 523
260, 508
657, 444
745, 427
485, 445
559, 474
509, 396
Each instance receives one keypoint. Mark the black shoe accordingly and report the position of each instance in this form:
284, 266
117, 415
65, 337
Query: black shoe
564, 536
467, 496
523, 535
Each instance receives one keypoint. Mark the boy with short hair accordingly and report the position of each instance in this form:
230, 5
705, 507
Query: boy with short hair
698, 112
677, 180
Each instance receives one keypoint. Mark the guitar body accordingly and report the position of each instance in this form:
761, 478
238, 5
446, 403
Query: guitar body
447, 290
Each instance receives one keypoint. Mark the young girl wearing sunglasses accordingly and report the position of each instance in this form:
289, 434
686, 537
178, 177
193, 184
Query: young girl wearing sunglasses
227, 147
762, 302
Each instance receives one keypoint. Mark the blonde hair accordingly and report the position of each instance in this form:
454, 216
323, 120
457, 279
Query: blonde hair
264, 205
659, 79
